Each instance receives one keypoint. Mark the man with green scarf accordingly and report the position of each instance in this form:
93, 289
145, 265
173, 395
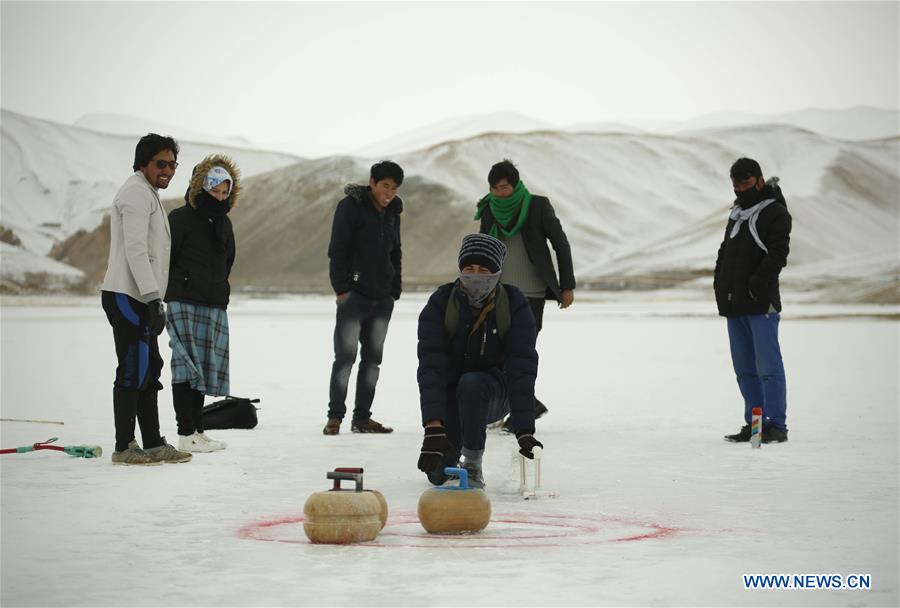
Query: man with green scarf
525, 222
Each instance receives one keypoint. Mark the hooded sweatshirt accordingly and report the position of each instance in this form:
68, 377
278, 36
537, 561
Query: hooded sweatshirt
748, 264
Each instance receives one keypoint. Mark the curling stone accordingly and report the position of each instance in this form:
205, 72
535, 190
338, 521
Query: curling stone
383, 513
340, 517
454, 509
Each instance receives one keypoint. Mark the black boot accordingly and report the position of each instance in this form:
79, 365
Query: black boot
125, 406
183, 400
148, 416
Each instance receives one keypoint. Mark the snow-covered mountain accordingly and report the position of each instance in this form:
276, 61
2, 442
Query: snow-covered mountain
58, 179
462, 127
653, 208
641, 210
122, 124
859, 123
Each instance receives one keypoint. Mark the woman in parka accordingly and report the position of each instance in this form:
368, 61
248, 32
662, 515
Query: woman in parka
203, 252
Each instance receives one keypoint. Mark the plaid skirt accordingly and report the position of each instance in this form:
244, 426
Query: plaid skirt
198, 336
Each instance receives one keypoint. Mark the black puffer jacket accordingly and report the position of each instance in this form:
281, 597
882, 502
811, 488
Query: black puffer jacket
541, 225
202, 252
365, 248
746, 277
442, 361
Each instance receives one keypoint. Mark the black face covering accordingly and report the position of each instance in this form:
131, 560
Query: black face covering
748, 197
214, 210
210, 205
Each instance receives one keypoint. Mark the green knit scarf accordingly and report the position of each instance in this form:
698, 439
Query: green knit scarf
507, 210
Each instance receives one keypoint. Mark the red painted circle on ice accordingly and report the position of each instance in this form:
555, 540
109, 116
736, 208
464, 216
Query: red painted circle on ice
505, 530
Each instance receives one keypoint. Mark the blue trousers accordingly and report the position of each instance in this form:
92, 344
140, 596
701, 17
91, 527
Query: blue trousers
480, 398
361, 322
758, 366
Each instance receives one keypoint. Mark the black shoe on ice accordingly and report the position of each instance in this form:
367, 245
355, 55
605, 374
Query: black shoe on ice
773, 434
741, 436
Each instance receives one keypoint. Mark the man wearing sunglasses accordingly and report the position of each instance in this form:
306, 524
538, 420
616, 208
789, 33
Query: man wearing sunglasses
751, 256
132, 292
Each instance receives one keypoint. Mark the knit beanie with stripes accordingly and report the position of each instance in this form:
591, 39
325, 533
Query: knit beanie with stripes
482, 249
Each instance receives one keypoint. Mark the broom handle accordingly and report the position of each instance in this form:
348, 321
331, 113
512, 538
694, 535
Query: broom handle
33, 421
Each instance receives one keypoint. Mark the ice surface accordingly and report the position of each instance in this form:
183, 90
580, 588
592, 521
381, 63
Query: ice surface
654, 508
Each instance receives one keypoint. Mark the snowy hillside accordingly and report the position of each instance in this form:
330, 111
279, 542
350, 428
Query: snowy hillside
653, 207
641, 210
58, 179
122, 124
453, 129
859, 123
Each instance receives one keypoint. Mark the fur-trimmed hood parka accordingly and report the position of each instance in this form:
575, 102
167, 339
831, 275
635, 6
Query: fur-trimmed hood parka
203, 246
196, 185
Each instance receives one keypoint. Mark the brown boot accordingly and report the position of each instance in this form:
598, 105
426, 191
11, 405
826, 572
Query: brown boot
332, 427
369, 426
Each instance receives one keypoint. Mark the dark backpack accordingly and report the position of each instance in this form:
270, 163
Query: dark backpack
230, 413
501, 311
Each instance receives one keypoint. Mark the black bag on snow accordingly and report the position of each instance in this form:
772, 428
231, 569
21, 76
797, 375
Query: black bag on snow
230, 413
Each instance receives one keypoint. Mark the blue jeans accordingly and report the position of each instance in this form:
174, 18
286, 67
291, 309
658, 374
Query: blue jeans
480, 398
759, 368
361, 321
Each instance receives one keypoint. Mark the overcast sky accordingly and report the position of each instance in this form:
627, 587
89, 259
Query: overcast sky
347, 73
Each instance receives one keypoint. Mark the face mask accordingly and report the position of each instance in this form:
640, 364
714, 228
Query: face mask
210, 204
478, 287
748, 197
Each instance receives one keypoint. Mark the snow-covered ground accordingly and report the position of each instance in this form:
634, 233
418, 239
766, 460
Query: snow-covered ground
654, 508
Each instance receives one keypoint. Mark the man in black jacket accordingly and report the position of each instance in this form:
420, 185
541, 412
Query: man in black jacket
477, 363
365, 274
525, 222
751, 256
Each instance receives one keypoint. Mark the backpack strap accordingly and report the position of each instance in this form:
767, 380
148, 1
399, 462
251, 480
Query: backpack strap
501, 310
451, 315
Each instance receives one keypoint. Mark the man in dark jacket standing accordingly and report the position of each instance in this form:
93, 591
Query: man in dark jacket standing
365, 274
751, 256
477, 363
525, 222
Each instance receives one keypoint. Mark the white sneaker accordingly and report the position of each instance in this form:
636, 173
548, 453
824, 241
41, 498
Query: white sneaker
194, 443
212, 443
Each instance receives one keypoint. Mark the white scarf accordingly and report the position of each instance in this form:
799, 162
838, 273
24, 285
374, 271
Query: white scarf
750, 216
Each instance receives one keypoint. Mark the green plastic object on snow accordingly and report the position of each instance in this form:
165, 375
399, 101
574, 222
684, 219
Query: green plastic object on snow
78, 451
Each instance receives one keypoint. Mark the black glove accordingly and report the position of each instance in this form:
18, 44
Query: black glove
435, 449
156, 317
527, 443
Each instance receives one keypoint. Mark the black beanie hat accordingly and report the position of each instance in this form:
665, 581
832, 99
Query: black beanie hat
482, 249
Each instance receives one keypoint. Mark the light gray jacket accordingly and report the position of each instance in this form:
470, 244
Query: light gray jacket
140, 242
